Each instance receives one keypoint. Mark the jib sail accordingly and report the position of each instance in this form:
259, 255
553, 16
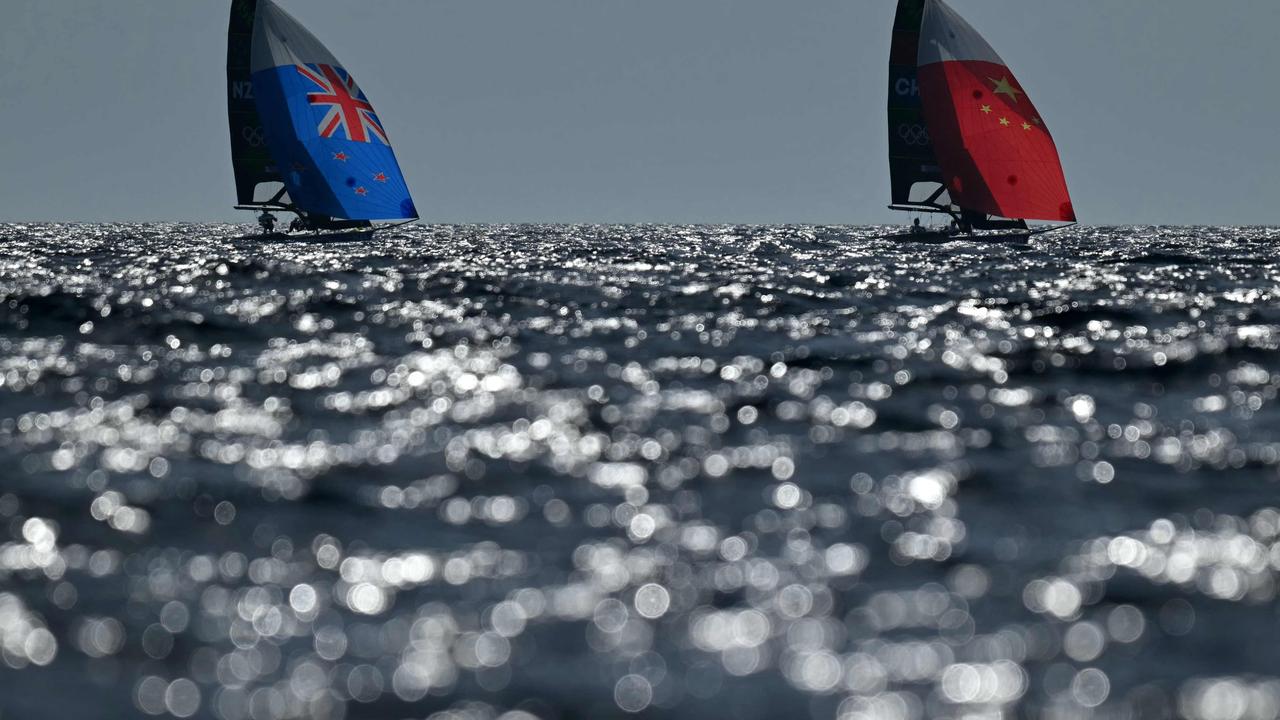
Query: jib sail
911, 157
250, 157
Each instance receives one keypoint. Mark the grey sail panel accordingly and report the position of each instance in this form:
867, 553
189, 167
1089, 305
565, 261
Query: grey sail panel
911, 157
250, 156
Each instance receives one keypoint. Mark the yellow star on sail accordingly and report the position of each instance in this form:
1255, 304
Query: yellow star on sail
986, 109
1026, 126
1004, 87
1004, 122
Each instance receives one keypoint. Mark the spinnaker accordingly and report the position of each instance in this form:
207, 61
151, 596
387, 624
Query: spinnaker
326, 145
978, 145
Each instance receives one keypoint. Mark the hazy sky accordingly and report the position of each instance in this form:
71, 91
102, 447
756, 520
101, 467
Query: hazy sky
1165, 111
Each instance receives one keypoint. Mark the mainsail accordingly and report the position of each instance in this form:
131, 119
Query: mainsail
911, 158
327, 145
996, 154
250, 157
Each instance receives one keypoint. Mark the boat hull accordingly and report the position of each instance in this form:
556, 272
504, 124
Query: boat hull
940, 238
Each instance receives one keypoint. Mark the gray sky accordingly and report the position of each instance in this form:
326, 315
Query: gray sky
1165, 111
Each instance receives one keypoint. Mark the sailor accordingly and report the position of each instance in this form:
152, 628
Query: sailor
268, 222
298, 225
916, 227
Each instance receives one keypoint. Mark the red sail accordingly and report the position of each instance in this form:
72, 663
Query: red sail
996, 153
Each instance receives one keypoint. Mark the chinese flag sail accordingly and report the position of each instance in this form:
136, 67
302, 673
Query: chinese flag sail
996, 154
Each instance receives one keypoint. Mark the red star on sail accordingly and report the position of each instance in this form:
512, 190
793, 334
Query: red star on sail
361, 191
340, 156
380, 177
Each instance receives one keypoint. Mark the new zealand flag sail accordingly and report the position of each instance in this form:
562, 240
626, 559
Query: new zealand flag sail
329, 145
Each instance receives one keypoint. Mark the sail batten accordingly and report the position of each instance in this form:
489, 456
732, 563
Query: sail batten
995, 151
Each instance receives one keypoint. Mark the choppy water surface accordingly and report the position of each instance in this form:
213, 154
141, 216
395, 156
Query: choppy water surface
580, 472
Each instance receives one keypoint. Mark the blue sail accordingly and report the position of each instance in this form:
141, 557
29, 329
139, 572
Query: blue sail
329, 146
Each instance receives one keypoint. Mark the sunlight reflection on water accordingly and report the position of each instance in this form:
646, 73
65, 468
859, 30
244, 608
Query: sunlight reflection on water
538, 472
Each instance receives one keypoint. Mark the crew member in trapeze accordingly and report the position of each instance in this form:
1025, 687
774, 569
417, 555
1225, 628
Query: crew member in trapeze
267, 222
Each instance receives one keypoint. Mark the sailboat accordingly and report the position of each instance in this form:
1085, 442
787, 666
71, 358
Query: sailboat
965, 139
305, 139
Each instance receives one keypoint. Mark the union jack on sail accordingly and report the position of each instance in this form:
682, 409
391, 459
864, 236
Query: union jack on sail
350, 113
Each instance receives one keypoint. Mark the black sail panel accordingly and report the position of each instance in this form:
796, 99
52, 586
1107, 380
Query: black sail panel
250, 156
911, 156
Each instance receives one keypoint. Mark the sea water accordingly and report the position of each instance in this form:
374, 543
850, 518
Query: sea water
681, 472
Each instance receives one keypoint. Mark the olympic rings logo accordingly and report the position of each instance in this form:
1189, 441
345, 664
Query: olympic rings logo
253, 136
913, 134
